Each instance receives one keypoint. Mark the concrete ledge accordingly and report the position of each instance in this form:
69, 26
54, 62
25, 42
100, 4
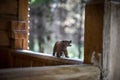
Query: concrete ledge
66, 72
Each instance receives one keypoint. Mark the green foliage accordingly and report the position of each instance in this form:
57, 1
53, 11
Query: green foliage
73, 51
54, 20
39, 2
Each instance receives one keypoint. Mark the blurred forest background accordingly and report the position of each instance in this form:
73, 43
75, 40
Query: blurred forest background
55, 20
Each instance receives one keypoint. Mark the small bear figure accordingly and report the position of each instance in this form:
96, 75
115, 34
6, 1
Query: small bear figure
60, 48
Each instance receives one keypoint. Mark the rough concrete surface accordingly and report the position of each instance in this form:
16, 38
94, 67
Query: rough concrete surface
66, 72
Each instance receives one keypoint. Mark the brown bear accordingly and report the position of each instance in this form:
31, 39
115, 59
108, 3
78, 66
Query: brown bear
60, 48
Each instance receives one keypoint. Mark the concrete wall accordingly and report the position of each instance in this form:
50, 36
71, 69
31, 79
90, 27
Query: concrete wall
114, 57
111, 41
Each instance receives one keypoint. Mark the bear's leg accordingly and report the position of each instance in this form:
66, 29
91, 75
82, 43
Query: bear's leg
58, 54
53, 53
66, 54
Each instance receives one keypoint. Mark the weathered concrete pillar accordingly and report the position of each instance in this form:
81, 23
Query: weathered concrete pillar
114, 60
111, 41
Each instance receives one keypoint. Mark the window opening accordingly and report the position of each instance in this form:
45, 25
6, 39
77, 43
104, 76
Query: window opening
55, 20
